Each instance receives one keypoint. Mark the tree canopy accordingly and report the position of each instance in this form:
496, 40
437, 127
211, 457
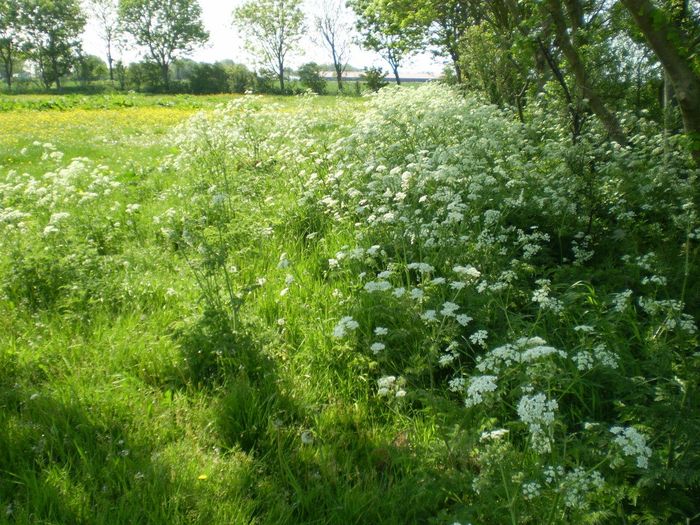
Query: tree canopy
272, 29
53, 30
166, 29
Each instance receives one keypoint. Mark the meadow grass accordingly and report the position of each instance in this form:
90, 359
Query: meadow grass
257, 313
107, 415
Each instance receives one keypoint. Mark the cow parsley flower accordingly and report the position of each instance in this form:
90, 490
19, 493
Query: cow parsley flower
429, 316
479, 338
621, 301
377, 286
537, 412
399, 292
493, 435
467, 271
449, 309
633, 444
345, 325
463, 319
417, 294
478, 386
377, 347
542, 297
421, 267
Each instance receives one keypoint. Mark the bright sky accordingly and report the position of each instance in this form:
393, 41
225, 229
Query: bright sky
225, 43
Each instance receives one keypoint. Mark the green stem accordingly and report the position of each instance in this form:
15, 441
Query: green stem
511, 502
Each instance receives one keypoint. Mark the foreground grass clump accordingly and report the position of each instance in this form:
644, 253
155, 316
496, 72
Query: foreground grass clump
409, 310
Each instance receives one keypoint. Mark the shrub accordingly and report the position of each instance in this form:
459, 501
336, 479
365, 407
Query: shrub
209, 78
310, 77
375, 78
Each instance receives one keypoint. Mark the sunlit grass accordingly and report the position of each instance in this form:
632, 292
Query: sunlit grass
171, 344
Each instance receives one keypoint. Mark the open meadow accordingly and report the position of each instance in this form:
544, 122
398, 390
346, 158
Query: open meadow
402, 308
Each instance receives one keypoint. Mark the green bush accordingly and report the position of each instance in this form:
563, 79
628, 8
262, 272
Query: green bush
374, 78
310, 77
209, 78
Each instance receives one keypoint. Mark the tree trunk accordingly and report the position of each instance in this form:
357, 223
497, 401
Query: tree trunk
281, 77
596, 103
458, 70
574, 110
662, 37
339, 77
395, 69
8, 72
165, 71
110, 62
57, 77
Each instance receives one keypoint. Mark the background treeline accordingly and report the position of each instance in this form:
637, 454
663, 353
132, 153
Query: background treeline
90, 74
41, 47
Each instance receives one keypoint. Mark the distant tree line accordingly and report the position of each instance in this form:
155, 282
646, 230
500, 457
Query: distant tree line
40, 42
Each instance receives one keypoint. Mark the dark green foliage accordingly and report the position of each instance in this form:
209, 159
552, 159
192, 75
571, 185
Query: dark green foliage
310, 77
374, 78
90, 68
209, 78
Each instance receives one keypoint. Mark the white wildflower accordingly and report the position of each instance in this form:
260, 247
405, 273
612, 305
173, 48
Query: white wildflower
478, 386
632, 443
467, 271
493, 435
449, 309
463, 319
479, 338
346, 324
377, 347
537, 412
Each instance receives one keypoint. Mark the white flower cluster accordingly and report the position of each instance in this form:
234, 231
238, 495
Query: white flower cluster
621, 301
531, 489
345, 325
478, 386
524, 350
538, 412
546, 302
576, 485
633, 444
493, 435
598, 356
391, 385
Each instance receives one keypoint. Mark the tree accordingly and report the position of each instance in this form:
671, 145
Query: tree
107, 14
167, 29
566, 35
310, 77
381, 31
375, 78
90, 68
334, 30
53, 29
677, 52
10, 37
208, 78
272, 29
440, 23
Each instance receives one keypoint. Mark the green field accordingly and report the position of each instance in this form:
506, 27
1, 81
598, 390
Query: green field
403, 309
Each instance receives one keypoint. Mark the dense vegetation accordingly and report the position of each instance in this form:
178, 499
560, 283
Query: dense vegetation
473, 303
413, 309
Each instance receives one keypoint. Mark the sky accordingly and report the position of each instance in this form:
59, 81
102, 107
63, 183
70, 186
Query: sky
225, 43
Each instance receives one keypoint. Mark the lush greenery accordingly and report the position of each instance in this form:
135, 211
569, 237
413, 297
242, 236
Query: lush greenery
410, 309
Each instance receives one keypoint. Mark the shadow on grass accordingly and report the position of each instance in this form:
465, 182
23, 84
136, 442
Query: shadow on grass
68, 461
